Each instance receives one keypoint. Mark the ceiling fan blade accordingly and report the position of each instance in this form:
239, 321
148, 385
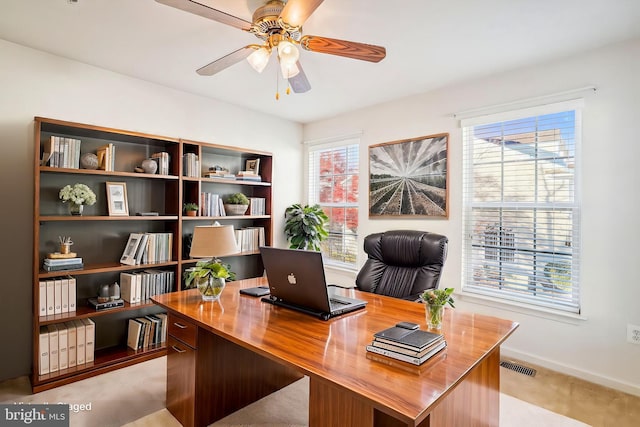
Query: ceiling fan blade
299, 82
362, 51
296, 12
226, 61
201, 9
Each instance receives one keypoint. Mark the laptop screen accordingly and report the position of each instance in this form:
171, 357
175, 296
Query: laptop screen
297, 277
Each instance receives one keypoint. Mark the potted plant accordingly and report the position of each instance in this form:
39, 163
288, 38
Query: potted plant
434, 302
190, 208
306, 226
236, 204
77, 195
209, 276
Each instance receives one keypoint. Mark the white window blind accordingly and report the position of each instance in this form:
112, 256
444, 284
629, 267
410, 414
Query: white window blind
521, 206
333, 184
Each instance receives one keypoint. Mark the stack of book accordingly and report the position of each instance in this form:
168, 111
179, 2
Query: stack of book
414, 346
248, 176
147, 331
65, 345
62, 264
162, 158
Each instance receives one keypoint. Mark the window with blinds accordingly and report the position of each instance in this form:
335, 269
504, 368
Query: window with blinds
521, 208
333, 184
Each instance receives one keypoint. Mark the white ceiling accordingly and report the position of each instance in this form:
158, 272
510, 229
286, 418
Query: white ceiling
430, 44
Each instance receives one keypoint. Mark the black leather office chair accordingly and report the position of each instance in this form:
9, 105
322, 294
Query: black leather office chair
402, 263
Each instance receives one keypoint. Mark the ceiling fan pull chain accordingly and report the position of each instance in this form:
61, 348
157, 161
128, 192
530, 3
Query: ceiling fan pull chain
277, 86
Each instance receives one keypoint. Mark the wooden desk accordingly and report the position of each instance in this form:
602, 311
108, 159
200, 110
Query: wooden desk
241, 349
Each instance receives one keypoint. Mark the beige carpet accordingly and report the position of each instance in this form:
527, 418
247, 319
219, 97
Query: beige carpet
134, 397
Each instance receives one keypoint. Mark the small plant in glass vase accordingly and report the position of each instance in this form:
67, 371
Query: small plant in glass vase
209, 276
434, 302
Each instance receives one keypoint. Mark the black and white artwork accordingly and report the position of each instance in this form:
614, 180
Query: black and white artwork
409, 177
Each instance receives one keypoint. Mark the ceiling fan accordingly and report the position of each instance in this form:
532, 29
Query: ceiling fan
278, 23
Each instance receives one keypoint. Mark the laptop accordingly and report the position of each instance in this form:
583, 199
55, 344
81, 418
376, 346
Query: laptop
296, 280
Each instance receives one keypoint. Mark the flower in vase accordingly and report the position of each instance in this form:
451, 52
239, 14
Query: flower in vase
438, 297
78, 194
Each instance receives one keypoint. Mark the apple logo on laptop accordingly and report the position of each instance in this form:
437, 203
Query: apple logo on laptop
291, 278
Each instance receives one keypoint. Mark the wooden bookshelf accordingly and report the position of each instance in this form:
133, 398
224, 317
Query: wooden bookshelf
100, 239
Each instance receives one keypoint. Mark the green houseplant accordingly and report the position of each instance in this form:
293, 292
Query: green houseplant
190, 208
305, 227
434, 303
236, 204
209, 276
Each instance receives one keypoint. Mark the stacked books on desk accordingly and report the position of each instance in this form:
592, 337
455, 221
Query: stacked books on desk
62, 264
413, 346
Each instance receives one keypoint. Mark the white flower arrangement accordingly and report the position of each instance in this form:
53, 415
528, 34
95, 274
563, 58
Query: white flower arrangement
79, 194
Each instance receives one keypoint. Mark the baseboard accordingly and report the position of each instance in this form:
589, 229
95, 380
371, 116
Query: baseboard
622, 386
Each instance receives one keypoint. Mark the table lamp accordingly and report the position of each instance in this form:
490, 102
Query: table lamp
213, 241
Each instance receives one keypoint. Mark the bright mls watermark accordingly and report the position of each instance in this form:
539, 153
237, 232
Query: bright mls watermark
54, 415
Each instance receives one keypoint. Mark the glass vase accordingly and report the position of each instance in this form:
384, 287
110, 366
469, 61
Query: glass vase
434, 314
210, 288
75, 209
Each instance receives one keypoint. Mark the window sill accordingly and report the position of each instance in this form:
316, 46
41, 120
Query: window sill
518, 307
341, 269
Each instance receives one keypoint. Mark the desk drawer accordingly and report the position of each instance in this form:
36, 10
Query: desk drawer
183, 330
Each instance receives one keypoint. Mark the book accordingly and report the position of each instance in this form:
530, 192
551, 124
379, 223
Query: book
50, 294
65, 294
105, 305
43, 349
71, 343
128, 285
64, 267
57, 295
58, 255
407, 351
81, 338
72, 293
63, 347
53, 348
416, 339
42, 295
133, 334
142, 247
62, 261
90, 336
407, 358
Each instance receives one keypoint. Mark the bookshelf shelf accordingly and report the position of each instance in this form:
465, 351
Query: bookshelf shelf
105, 360
84, 311
49, 169
100, 238
51, 218
104, 268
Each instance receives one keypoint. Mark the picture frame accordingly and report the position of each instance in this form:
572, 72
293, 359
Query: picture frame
409, 178
252, 165
117, 198
131, 248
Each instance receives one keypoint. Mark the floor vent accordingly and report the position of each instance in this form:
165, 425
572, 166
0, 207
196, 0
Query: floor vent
518, 368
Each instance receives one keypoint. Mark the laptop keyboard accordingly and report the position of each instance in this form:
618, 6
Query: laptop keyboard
338, 301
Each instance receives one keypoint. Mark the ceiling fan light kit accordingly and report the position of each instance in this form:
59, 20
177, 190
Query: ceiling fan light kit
279, 24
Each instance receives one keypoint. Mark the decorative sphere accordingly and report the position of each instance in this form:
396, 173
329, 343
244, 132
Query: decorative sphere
89, 161
149, 166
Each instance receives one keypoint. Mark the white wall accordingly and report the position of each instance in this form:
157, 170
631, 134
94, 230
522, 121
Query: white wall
33, 83
595, 346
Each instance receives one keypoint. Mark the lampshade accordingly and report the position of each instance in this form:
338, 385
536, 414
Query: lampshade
288, 53
259, 58
211, 241
289, 70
